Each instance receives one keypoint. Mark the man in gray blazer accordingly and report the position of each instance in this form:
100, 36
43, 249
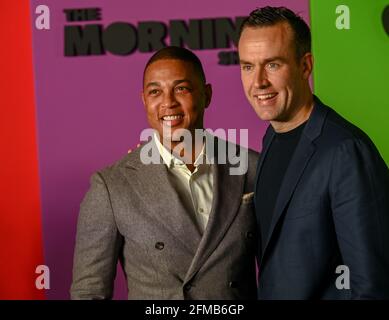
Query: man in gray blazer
183, 228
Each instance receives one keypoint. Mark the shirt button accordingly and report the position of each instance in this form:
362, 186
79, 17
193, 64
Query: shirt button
187, 287
201, 210
159, 245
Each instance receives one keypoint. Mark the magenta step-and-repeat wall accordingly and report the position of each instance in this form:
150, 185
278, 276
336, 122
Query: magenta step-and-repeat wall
88, 71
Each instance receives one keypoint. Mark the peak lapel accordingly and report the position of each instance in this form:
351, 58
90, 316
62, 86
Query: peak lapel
268, 138
228, 190
295, 170
300, 159
151, 183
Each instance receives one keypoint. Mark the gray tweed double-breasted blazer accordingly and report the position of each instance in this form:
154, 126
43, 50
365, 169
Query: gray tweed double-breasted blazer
132, 214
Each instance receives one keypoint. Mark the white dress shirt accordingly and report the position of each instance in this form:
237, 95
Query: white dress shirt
194, 188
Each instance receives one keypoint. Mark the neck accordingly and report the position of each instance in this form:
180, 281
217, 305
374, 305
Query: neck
187, 150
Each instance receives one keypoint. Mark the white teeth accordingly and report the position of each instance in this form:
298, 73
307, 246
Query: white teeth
266, 96
170, 118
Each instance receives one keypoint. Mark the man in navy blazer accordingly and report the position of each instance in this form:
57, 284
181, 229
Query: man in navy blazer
322, 188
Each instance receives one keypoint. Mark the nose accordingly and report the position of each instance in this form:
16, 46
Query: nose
261, 80
169, 100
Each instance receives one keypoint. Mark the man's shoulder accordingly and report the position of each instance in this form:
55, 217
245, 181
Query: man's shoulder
247, 157
343, 128
337, 130
340, 135
252, 154
130, 160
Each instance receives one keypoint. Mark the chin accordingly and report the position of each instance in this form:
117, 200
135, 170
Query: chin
265, 116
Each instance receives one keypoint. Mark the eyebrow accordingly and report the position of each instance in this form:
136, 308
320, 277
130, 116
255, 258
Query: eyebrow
264, 61
175, 82
181, 80
153, 84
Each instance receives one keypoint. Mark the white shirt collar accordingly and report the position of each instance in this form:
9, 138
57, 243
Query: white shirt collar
170, 160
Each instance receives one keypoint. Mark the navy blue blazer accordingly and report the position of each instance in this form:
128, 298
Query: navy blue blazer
332, 210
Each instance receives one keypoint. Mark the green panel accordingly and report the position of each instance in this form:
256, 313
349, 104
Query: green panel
351, 71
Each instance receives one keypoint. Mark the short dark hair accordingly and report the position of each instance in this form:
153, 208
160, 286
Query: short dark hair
177, 53
269, 16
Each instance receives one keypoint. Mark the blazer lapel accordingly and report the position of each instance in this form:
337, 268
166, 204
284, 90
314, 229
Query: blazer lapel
296, 168
227, 194
267, 140
152, 185
300, 159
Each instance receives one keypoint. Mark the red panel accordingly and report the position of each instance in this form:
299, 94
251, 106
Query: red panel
20, 216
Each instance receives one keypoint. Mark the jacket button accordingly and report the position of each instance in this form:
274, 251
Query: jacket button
159, 245
249, 235
187, 287
233, 284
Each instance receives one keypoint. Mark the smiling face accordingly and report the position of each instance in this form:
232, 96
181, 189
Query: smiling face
174, 96
274, 80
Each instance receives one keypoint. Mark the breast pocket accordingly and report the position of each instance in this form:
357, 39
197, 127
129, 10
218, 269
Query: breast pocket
303, 206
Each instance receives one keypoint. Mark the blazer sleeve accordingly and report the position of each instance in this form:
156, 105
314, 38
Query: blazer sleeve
359, 193
97, 247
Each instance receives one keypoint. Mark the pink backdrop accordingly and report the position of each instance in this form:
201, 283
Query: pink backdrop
89, 110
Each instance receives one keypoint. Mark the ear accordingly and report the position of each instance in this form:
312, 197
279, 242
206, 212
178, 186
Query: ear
208, 94
307, 65
142, 95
